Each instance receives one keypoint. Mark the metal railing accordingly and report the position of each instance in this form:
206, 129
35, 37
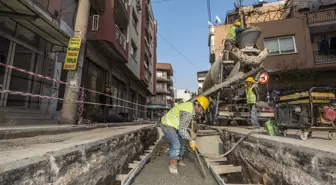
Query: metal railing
121, 39
325, 57
321, 16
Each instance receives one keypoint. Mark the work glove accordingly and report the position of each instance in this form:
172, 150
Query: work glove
193, 145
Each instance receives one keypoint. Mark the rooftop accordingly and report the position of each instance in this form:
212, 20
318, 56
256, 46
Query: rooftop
166, 67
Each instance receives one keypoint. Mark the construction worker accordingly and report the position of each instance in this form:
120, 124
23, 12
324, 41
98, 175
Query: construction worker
251, 100
175, 128
231, 36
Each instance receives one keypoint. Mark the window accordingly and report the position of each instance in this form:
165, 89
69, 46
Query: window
135, 19
133, 49
282, 45
159, 74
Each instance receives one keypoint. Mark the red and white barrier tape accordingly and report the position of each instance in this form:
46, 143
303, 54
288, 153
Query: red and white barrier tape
65, 83
61, 99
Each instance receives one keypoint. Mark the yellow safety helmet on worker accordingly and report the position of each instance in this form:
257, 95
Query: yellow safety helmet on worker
237, 23
250, 80
203, 101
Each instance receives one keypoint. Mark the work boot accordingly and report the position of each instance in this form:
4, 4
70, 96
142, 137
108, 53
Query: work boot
172, 167
181, 163
173, 170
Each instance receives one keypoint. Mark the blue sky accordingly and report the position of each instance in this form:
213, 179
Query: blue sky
184, 24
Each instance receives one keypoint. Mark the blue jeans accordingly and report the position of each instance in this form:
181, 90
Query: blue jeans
253, 115
176, 143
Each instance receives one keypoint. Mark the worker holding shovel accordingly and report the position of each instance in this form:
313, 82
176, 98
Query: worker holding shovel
175, 126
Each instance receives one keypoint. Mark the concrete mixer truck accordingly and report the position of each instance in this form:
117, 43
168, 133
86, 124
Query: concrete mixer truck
224, 81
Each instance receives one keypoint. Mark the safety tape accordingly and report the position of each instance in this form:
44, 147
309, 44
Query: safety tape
64, 100
65, 83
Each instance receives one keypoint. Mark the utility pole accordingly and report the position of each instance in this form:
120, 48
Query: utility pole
69, 109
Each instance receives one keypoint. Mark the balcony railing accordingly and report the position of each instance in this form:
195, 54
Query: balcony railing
325, 57
148, 53
321, 16
121, 39
125, 3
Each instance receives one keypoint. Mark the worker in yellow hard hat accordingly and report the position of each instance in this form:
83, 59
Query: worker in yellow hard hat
251, 100
175, 126
230, 41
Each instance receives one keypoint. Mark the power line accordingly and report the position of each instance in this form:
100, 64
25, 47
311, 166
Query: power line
175, 48
161, 1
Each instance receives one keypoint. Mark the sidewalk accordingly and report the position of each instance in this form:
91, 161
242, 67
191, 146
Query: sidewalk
21, 131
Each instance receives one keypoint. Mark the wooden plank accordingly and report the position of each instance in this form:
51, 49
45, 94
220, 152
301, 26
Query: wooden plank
242, 184
132, 165
142, 157
151, 147
226, 169
220, 159
140, 164
121, 177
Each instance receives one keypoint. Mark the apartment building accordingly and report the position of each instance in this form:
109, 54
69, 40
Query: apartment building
200, 80
183, 95
300, 41
38, 33
164, 98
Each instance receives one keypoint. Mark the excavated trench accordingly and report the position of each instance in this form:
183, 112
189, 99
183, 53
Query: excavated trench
136, 155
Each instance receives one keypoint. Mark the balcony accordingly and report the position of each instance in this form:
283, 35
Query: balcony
120, 37
147, 75
125, 4
164, 79
325, 57
162, 91
321, 16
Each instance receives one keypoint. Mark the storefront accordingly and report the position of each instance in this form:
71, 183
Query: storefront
21, 48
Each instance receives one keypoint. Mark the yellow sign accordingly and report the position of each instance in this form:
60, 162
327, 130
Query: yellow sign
71, 57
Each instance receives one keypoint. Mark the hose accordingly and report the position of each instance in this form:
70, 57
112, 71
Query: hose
229, 151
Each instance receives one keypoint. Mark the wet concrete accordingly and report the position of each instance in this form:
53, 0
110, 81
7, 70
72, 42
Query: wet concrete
156, 172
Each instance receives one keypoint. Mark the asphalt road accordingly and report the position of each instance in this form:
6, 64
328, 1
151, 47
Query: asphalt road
156, 172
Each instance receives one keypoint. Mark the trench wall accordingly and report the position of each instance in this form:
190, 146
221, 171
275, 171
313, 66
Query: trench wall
277, 163
93, 163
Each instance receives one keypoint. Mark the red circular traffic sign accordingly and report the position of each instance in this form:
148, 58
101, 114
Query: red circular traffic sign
264, 77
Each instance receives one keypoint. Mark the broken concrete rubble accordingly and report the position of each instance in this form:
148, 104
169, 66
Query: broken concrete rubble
273, 162
96, 160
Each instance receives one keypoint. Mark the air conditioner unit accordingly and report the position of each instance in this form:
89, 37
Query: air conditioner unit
95, 22
138, 5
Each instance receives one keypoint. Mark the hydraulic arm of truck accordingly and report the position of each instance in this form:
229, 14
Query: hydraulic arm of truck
229, 81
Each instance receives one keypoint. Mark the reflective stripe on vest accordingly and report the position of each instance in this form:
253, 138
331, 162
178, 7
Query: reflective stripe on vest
251, 98
232, 33
172, 118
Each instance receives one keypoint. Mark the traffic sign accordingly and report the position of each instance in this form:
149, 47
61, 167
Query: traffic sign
264, 77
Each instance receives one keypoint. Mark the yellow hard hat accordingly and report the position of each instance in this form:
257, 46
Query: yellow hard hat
204, 101
249, 79
237, 24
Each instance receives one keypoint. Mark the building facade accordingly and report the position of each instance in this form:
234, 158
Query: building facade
159, 104
200, 80
300, 39
183, 95
39, 31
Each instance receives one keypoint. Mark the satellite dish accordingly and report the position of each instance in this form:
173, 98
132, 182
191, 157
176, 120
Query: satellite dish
314, 5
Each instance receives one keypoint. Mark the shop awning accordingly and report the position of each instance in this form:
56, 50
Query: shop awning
30, 15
